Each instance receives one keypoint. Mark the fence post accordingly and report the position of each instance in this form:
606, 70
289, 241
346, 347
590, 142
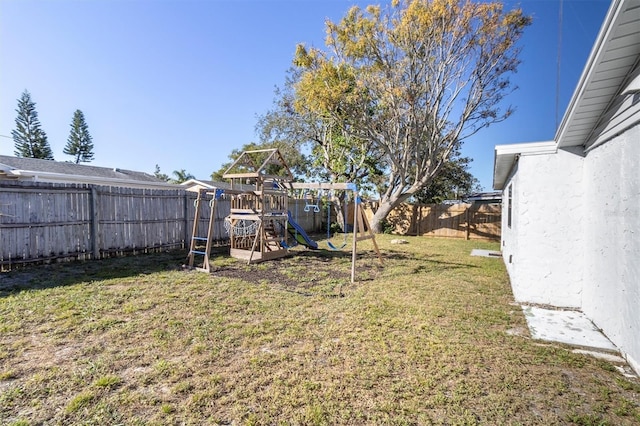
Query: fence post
185, 213
466, 214
94, 222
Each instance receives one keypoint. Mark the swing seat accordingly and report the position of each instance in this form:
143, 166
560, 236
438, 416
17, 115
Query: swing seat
332, 247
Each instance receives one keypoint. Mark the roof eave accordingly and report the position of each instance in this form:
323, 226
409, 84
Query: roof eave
196, 182
596, 55
506, 156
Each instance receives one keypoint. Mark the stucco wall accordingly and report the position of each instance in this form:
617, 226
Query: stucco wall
509, 233
543, 248
611, 295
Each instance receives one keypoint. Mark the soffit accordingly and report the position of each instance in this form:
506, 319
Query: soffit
613, 57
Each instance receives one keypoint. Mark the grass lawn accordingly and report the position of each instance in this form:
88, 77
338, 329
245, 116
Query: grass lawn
422, 340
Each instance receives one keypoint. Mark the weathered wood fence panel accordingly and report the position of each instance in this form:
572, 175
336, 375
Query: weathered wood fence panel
485, 221
469, 221
139, 219
44, 221
41, 222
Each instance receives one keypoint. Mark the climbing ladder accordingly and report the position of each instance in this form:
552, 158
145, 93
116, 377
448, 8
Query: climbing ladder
195, 248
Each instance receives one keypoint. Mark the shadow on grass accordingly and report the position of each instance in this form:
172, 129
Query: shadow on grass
39, 277
430, 260
322, 254
303, 271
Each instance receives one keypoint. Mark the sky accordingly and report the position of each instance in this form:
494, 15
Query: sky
181, 83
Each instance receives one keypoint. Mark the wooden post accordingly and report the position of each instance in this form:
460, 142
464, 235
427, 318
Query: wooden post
185, 214
194, 230
466, 213
212, 221
255, 241
356, 212
95, 244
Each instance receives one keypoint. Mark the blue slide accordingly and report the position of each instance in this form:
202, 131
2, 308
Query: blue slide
298, 233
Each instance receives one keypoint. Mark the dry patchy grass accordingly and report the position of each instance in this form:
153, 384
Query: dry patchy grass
421, 340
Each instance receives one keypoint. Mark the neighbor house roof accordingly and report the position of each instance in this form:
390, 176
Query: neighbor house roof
609, 77
56, 171
196, 184
476, 197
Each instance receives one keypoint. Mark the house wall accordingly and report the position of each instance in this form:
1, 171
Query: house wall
611, 295
543, 247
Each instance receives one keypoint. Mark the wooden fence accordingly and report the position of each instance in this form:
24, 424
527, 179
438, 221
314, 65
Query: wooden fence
44, 221
469, 221
41, 222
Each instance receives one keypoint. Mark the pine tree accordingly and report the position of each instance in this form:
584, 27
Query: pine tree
79, 144
29, 139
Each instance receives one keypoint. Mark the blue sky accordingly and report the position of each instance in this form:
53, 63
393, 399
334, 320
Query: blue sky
180, 83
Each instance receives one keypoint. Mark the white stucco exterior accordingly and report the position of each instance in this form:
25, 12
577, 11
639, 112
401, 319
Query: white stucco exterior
574, 239
543, 246
611, 289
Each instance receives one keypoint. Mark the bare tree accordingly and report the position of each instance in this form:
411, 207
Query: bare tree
415, 79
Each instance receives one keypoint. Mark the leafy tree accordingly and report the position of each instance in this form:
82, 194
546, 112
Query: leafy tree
181, 176
336, 152
413, 80
79, 143
162, 176
453, 182
29, 139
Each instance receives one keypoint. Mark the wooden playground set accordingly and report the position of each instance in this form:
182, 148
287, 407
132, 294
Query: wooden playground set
260, 224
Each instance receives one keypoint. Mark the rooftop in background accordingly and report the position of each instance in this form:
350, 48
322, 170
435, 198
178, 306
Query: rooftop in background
197, 184
484, 197
18, 168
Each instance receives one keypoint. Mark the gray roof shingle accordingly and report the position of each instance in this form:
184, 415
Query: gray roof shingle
49, 166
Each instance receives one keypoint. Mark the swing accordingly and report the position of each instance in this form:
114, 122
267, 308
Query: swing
344, 229
308, 206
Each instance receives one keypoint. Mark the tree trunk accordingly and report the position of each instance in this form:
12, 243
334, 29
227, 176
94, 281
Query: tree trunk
389, 202
339, 216
386, 205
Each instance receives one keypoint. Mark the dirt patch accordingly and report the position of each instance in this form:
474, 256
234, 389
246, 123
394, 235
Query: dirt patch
289, 273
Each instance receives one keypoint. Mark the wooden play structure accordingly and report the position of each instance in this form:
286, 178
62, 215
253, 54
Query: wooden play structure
259, 223
197, 240
258, 218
